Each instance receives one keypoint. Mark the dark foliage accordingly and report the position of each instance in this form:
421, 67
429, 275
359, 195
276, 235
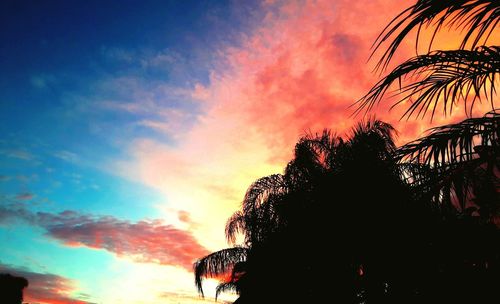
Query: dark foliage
347, 222
11, 288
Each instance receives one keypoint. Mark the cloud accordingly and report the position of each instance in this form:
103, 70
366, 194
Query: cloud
184, 216
5, 178
45, 288
186, 298
151, 241
13, 213
298, 70
67, 156
19, 154
25, 196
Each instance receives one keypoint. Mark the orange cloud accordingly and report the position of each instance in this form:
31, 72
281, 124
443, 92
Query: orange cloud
143, 241
150, 241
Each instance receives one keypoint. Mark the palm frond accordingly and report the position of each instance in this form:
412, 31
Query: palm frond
477, 17
448, 77
323, 147
457, 187
217, 263
235, 224
225, 286
378, 130
260, 190
454, 166
455, 142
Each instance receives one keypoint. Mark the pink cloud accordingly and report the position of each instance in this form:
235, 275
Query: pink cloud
25, 196
151, 241
45, 288
144, 241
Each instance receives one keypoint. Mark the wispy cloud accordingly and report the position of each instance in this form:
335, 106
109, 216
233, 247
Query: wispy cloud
4, 178
25, 196
19, 154
185, 298
151, 241
67, 156
45, 287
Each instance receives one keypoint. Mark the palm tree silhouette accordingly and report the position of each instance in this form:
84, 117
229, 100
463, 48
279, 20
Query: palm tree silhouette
330, 187
461, 160
356, 220
454, 168
461, 164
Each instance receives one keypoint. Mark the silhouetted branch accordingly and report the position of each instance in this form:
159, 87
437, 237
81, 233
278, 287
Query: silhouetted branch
446, 77
217, 263
477, 17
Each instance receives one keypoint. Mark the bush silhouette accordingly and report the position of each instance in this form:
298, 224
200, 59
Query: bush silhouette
11, 288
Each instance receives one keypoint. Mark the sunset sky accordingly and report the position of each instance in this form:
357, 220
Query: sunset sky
131, 129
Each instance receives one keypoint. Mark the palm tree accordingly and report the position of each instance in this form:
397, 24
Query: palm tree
455, 168
284, 217
257, 220
460, 160
461, 163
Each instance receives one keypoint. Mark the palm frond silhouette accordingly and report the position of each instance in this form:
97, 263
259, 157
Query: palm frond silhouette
445, 78
462, 165
441, 78
218, 264
279, 213
477, 19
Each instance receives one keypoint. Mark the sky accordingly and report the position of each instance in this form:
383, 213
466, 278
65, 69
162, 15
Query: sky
130, 130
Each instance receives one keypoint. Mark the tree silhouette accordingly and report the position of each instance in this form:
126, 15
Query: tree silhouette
455, 167
11, 288
334, 190
461, 160
352, 221
461, 163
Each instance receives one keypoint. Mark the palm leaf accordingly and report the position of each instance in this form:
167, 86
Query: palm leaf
454, 166
323, 147
235, 225
217, 263
446, 75
477, 17
225, 286
376, 133
455, 142
258, 192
